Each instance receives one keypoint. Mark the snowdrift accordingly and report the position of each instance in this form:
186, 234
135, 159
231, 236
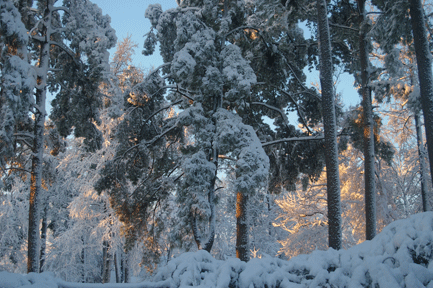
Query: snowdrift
400, 256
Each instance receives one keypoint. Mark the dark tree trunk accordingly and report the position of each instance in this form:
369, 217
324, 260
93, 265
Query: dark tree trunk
330, 127
127, 273
116, 269
106, 262
368, 135
241, 227
43, 240
423, 59
83, 261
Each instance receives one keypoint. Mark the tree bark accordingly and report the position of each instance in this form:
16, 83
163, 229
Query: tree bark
330, 127
38, 149
241, 227
116, 269
422, 165
106, 262
368, 135
424, 62
43, 240
127, 273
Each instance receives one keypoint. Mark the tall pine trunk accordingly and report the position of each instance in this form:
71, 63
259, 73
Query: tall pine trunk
424, 62
38, 148
422, 165
330, 127
368, 133
241, 227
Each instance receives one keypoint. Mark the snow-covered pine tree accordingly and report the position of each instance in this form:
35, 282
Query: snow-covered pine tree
213, 80
75, 68
137, 178
17, 83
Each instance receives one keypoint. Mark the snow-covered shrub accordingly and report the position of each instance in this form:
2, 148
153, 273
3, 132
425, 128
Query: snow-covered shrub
400, 256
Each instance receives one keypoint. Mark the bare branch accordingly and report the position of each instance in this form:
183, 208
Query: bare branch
307, 138
184, 94
24, 134
241, 28
156, 138
226, 157
17, 169
344, 27
161, 109
62, 8
298, 109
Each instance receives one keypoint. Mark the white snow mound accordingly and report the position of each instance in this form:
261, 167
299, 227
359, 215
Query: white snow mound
400, 256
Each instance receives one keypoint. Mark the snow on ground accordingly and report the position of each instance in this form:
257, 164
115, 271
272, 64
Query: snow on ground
400, 256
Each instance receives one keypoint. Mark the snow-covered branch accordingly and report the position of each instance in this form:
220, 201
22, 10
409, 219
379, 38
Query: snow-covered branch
62, 8
281, 112
160, 67
67, 50
37, 37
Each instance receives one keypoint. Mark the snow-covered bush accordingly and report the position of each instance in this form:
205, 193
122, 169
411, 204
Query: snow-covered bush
400, 256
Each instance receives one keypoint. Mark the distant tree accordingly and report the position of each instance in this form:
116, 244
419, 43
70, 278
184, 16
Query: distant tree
303, 213
398, 80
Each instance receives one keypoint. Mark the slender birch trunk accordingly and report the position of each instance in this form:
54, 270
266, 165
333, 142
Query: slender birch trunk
422, 165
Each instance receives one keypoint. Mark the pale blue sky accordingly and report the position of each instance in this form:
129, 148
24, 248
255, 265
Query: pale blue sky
127, 18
